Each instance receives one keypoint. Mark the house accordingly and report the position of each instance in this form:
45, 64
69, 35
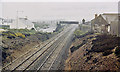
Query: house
99, 24
106, 23
22, 23
1, 21
5, 23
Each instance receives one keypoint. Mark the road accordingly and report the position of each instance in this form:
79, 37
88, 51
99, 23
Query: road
45, 57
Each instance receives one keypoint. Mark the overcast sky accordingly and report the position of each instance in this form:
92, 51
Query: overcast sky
58, 10
59, 0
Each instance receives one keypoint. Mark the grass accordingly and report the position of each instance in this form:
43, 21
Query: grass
24, 31
41, 25
78, 33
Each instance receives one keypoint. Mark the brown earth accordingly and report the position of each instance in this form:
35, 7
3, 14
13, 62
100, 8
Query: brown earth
94, 52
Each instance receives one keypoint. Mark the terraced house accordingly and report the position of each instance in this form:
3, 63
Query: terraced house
106, 23
22, 23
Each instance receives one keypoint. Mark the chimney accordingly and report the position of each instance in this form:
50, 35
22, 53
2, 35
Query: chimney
96, 15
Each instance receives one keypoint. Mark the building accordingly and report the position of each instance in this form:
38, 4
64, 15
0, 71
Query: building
106, 23
22, 23
99, 24
1, 21
5, 23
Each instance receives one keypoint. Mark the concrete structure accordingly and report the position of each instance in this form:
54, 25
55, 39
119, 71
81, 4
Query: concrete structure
106, 23
22, 23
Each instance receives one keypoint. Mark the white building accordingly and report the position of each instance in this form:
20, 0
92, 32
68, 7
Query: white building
1, 20
22, 23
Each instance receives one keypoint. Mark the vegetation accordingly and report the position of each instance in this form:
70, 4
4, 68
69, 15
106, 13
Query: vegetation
12, 35
78, 33
41, 25
21, 33
117, 51
82, 31
24, 31
107, 52
4, 27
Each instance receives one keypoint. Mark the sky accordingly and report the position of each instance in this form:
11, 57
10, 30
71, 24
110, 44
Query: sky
59, 0
57, 10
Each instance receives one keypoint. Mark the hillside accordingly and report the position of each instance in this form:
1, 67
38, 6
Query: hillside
94, 52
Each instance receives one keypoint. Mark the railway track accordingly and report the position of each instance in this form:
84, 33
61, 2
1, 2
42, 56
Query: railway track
47, 60
29, 61
50, 59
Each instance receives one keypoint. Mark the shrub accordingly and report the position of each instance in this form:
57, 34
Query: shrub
16, 34
117, 51
105, 53
4, 34
27, 35
10, 34
20, 35
10, 37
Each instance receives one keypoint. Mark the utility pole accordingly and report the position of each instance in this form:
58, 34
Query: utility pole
18, 18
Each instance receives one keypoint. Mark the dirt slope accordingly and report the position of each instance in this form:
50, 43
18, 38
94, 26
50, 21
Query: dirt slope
99, 52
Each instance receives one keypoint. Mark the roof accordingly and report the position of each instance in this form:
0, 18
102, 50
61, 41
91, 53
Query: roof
109, 17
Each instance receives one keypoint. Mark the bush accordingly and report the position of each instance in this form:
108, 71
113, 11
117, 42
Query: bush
78, 33
10, 37
27, 35
20, 35
10, 34
105, 53
117, 51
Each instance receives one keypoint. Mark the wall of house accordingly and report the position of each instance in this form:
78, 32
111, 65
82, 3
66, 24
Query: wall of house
22, 24
119, 28
114, 28
17, 25
99, 24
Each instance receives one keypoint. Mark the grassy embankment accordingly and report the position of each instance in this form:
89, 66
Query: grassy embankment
79, 33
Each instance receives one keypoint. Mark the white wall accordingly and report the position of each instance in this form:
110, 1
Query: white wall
21, 24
